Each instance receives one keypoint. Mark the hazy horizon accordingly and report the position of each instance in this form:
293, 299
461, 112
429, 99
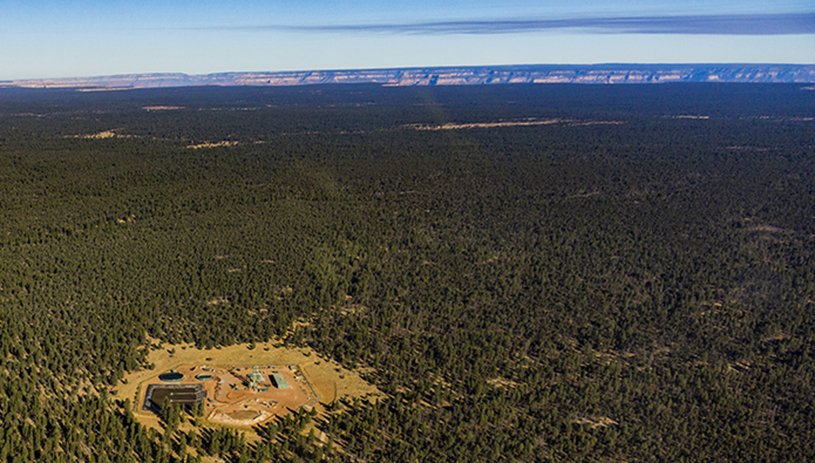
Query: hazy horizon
49, 39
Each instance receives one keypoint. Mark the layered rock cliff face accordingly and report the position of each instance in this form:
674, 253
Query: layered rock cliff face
539, 74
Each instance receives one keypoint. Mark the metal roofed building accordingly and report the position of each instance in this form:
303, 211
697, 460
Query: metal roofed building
279, 381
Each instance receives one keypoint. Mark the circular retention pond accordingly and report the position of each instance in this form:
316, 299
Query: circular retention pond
172, 377
204, 377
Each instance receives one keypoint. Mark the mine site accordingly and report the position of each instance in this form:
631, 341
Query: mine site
240, 386
240, 396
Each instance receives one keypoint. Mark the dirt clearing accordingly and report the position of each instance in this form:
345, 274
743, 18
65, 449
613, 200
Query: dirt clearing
311, 381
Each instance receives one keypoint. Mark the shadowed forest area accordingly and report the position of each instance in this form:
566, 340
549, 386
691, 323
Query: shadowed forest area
633, 280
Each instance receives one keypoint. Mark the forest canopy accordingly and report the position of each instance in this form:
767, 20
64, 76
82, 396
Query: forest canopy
530, 273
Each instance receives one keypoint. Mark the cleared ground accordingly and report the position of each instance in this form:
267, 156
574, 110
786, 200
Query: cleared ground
311, 381
230, 401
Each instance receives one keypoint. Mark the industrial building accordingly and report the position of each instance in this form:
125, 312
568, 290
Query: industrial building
279, 381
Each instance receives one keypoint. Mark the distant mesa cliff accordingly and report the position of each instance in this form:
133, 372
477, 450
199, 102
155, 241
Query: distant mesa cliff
467, 75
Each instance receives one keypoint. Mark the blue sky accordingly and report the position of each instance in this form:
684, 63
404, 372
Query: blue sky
47, 38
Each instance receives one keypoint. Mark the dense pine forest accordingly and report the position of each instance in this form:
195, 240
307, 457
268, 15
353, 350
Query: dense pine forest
529, 273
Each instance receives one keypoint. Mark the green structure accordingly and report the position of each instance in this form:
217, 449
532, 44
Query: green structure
255, 378
279, 381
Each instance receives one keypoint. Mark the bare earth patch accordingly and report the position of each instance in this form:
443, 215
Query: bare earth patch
596, 421
502, 383
161, 108
689, 116
767, 228
213, 145
452, 126
521, 123
312, 381
102, 135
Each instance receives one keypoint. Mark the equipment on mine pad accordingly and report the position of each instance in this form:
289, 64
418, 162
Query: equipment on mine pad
255, 378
